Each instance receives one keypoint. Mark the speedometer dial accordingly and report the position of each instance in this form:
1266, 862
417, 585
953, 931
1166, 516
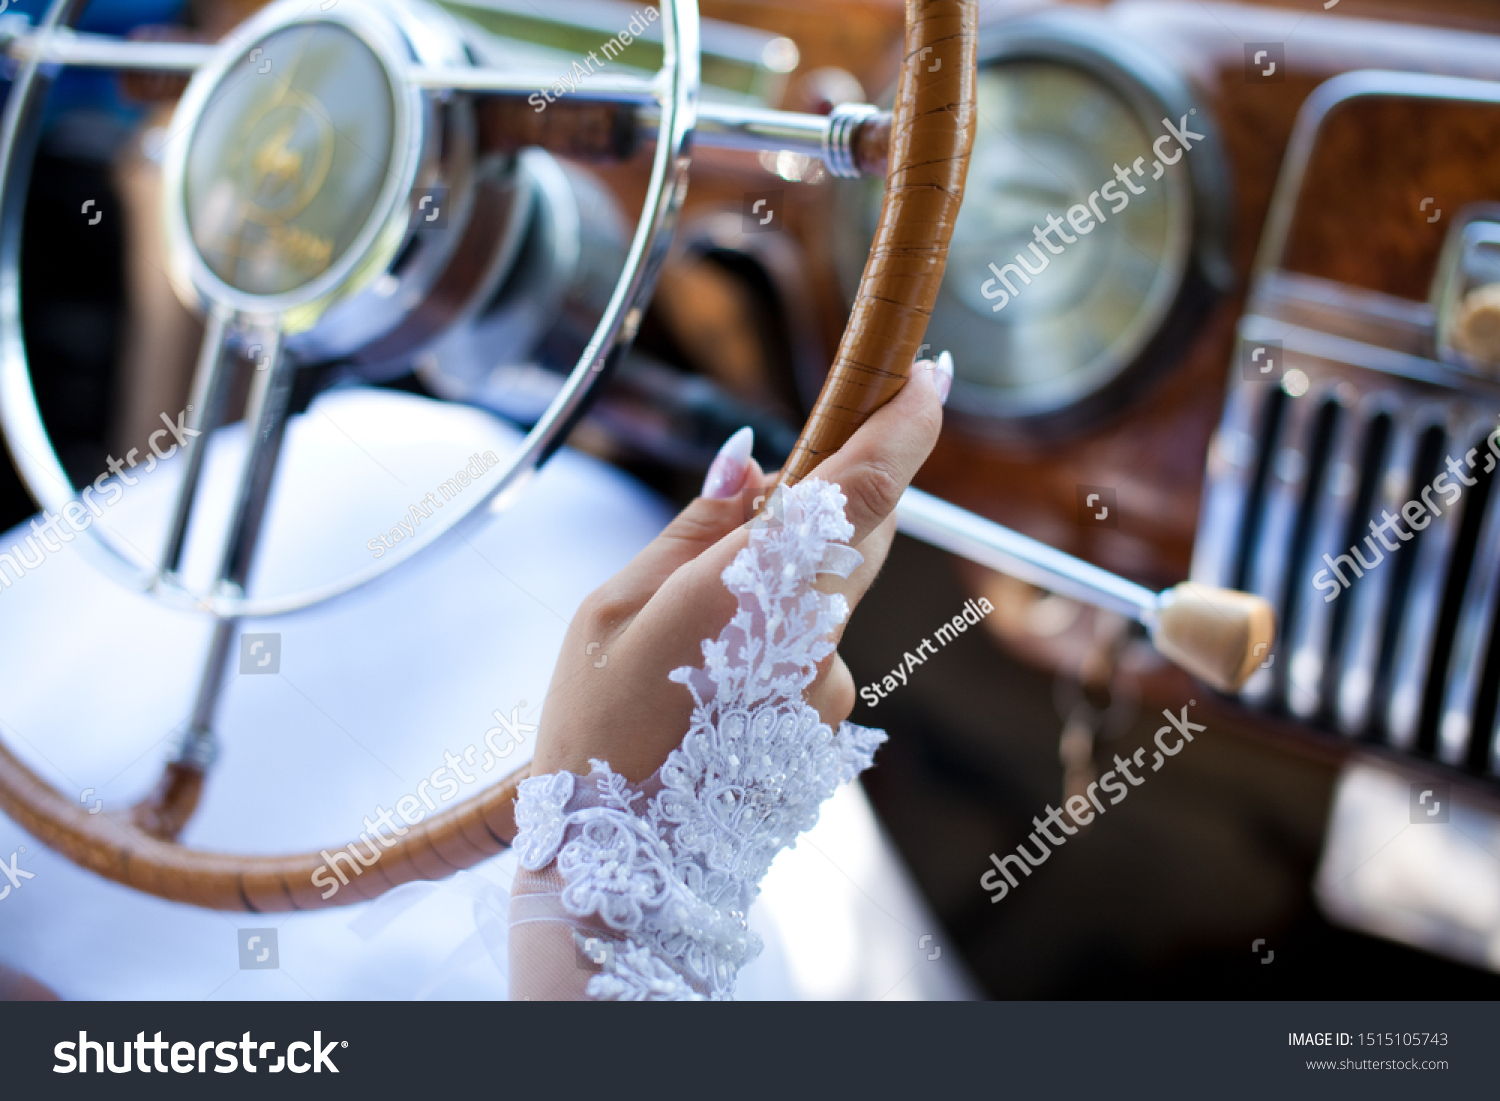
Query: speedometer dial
1043, 306
1088, 234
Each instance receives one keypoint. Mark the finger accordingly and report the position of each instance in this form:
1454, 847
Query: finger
693, 603
879, 461
873, 468
704, 522
854, 587
698, 583
832, 693
891, 445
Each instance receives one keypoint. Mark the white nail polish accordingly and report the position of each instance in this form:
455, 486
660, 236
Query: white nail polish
726, 476
942, 376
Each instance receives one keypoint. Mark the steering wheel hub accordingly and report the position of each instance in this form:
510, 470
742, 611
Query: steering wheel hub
282, 176
289, 187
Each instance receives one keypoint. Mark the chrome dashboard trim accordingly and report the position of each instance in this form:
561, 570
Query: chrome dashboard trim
1401, 660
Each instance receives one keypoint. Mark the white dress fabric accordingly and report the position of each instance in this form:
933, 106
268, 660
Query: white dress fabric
640, 892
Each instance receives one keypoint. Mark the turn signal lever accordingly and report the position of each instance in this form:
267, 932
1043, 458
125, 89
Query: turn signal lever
1218, 635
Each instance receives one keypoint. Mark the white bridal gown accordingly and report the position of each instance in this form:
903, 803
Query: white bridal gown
371, 692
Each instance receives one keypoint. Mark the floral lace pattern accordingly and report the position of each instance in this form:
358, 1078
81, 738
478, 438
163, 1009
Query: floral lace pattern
673, 864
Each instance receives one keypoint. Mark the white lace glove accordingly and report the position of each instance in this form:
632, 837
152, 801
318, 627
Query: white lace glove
640, 892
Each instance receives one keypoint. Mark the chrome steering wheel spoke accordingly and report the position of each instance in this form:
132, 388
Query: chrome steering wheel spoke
212, 379
720, 125
600, 89
64, 46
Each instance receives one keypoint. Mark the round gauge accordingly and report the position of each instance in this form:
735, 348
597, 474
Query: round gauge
1088, 231
1043, 307
289, 158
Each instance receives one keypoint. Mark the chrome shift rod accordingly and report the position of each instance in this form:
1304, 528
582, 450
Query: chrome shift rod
1217, 635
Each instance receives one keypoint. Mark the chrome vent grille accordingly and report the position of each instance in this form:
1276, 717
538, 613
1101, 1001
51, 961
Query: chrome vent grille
1388, 637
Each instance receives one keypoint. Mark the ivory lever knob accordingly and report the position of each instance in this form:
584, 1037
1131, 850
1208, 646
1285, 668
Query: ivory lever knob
1476, 326
1219, 635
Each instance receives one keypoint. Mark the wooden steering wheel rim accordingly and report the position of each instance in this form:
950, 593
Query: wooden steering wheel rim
932, 132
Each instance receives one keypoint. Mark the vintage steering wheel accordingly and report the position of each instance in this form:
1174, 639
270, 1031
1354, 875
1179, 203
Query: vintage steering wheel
303, 164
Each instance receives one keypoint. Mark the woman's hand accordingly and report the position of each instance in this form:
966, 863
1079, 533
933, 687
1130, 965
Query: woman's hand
610, 697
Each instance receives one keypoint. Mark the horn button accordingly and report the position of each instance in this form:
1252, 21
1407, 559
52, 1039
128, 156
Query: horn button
289, 157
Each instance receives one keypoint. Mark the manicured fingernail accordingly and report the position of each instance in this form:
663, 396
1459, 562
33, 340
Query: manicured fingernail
726, 476
942, 376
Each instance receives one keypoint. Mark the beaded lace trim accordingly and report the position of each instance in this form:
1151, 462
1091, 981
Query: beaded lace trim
673, 864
